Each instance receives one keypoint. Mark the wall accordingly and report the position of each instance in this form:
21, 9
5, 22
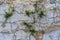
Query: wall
13, 27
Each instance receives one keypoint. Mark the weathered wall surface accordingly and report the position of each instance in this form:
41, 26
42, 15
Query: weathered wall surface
13, 29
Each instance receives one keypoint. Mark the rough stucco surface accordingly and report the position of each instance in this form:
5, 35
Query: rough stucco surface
9, 32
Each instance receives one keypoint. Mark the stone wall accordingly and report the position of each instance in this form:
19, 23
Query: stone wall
14, 30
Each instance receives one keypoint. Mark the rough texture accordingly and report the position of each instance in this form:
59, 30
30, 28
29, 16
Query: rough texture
14, 30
